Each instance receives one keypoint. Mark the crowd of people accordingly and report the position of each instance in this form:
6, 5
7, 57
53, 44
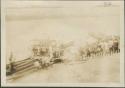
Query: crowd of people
100, 48
47, 54
44, 56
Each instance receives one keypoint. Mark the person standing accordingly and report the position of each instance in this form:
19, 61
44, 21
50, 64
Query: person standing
11, 64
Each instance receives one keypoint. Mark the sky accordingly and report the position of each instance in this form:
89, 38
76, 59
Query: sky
63, 21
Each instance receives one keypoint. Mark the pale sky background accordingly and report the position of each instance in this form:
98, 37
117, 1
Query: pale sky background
64, 21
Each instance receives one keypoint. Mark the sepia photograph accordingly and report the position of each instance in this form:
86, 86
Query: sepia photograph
62, 43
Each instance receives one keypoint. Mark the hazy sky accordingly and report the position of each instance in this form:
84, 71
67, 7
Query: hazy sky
63, 21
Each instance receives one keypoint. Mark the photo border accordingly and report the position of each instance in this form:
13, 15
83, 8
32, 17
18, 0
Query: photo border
3, 42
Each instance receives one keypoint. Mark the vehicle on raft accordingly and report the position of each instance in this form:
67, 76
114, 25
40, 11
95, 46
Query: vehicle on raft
42, 57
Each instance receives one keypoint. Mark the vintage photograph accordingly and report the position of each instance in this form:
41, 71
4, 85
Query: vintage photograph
62, 42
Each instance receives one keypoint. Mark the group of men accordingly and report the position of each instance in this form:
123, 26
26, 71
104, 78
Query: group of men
44, 56
100, 48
